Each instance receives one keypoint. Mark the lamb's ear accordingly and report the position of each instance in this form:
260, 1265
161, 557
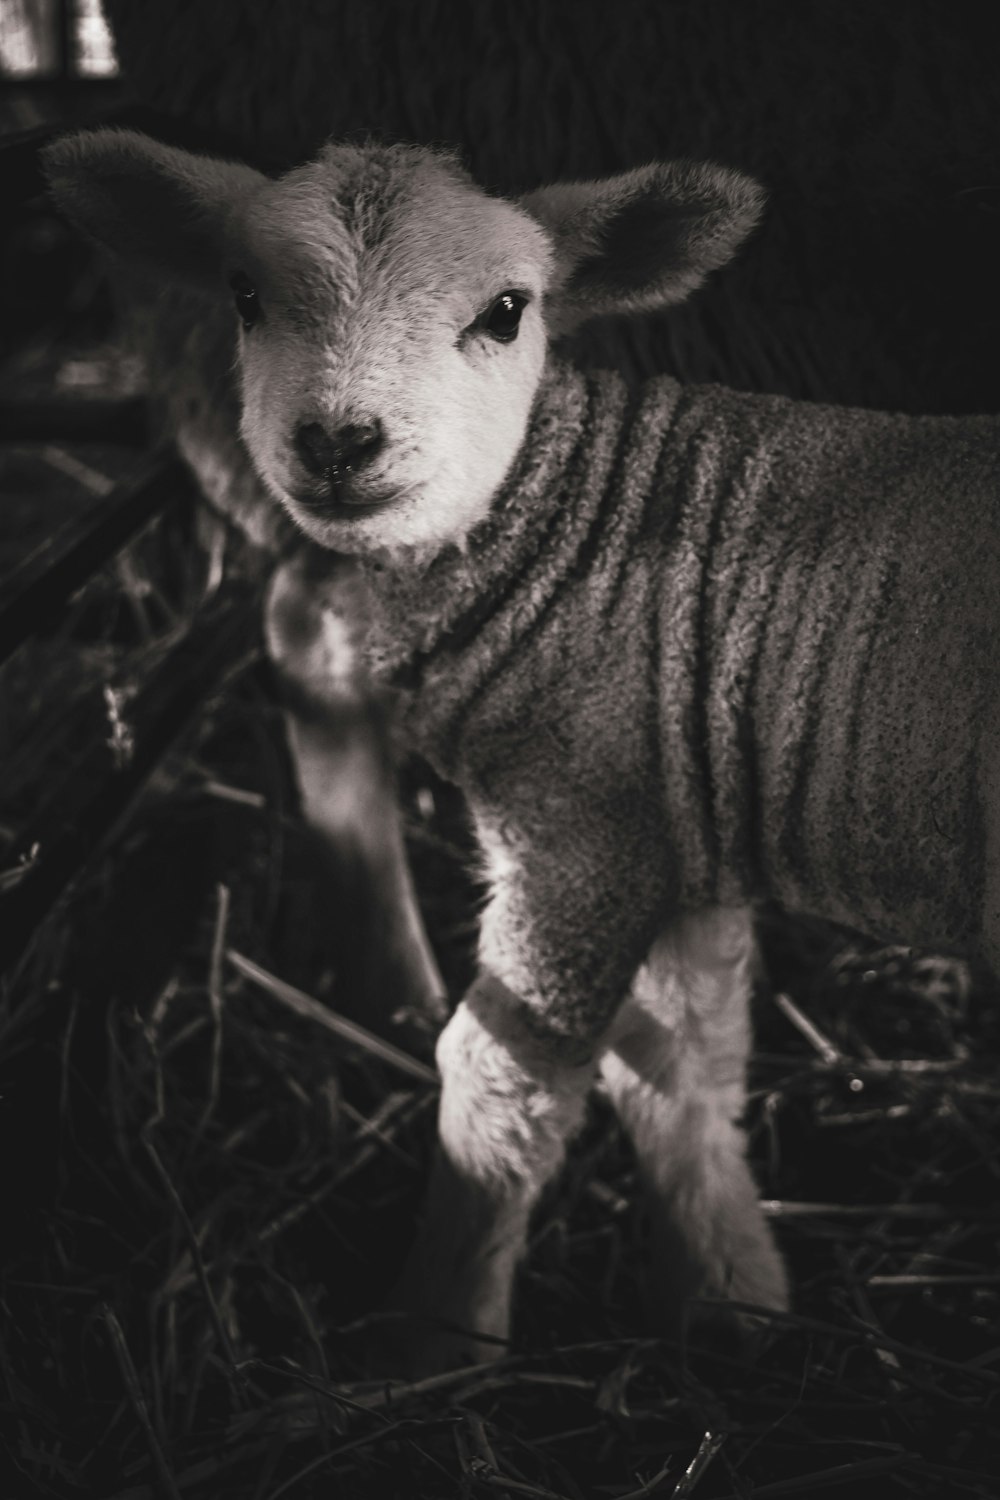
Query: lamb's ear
148, 202
644, 239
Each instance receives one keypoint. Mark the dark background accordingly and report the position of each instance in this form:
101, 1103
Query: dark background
873, 124
155, 1108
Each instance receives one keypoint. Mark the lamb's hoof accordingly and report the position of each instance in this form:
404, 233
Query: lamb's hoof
407, 1347
721, 1331
728, 1316
724, 1302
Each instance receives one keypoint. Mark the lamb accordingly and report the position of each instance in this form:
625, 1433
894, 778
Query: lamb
681, 648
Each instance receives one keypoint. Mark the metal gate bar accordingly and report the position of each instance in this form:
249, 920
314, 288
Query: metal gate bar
33, 593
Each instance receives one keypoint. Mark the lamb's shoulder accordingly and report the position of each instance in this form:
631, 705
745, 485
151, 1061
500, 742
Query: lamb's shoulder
566, 795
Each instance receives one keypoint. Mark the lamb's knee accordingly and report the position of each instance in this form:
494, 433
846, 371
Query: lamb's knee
509, 1101
710, 953
680, 1112
685, 1030
676, 1057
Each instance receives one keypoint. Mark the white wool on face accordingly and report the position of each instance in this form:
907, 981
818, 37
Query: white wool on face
372, 269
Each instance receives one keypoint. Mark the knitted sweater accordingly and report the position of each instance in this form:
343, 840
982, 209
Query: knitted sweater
707, 646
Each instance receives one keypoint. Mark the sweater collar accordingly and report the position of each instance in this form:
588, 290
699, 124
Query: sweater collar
419, 609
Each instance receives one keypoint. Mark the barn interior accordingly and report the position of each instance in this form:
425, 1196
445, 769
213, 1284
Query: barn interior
211, 1160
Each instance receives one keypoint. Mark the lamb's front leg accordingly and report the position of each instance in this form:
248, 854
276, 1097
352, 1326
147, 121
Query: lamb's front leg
510, 1099
573, 910
675, 1069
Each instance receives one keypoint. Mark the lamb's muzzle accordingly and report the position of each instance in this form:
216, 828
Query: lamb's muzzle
680, 647
340, 452
335, 462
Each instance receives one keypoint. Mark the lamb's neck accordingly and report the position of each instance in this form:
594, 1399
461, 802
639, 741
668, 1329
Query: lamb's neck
516, 558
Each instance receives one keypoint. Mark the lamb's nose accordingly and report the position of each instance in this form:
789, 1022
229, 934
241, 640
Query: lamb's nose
339, 452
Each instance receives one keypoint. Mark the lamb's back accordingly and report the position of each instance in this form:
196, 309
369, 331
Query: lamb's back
829, 632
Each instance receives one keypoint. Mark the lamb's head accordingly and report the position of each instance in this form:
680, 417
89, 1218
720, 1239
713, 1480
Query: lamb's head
394, 317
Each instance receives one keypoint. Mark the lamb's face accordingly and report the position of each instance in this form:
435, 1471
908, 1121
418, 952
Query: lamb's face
392, 336
392, 344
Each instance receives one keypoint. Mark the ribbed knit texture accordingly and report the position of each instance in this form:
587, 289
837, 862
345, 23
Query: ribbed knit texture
711, 645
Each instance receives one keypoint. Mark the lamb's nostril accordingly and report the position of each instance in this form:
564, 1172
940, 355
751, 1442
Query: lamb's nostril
315, 448
338, 453
358, 442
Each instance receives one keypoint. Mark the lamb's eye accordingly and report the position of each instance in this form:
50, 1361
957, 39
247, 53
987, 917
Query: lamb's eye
503, 318
245, 296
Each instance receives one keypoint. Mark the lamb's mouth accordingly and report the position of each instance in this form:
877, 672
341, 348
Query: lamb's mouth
340, 502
